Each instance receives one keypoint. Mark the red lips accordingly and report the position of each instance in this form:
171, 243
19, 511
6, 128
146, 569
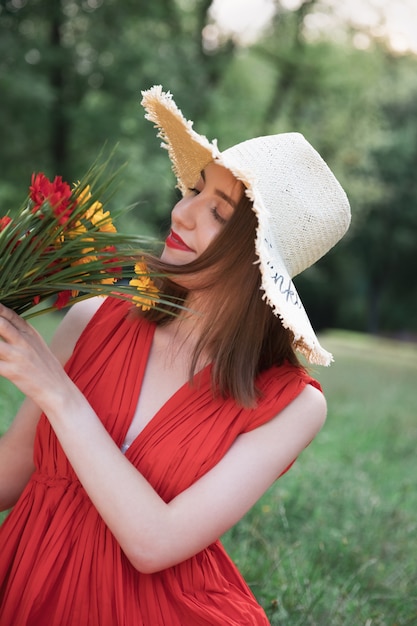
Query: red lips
174, 241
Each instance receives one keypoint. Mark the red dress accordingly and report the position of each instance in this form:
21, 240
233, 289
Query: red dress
59, 563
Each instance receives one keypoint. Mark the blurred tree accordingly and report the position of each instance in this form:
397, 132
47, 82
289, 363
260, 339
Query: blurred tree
386, 242
70, 78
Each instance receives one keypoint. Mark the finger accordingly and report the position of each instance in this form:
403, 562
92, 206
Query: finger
8, 332
13, 331
9, 314
13, 318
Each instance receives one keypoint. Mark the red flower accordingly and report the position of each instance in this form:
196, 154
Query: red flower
62, 299
114, 269
4, 221
57, 193
40, 190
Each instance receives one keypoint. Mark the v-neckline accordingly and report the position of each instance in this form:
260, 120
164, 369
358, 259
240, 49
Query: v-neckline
137, 389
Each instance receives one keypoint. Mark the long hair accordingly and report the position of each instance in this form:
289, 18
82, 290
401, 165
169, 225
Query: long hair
240, 333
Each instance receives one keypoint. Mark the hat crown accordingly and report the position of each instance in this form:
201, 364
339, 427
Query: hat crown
307, 210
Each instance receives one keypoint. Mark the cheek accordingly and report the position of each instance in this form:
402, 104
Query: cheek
209, 234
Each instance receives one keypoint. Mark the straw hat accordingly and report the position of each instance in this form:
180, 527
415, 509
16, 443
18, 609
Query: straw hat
301, 208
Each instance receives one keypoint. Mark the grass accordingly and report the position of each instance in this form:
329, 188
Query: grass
334, 542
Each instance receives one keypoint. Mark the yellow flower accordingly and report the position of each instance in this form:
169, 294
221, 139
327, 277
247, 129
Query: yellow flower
148, 291
108, 281
101, 218
94, 213
78, 229
89, 258
84, 195
86, 258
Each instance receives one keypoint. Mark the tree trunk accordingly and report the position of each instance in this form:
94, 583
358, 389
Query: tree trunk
59, 127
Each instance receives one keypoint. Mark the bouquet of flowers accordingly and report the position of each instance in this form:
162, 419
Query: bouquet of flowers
62, 244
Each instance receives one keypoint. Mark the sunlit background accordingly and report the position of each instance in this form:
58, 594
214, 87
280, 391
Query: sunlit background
393, 20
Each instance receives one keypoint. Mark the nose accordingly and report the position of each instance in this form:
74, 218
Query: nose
183, 212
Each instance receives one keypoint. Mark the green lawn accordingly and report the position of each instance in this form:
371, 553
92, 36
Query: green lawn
334, 542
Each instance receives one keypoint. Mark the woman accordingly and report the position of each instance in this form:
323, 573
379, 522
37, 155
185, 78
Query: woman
143, 438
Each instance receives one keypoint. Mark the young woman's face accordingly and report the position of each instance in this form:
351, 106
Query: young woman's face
201, 214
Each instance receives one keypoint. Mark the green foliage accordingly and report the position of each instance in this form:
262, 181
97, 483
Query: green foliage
385, 242
71, 81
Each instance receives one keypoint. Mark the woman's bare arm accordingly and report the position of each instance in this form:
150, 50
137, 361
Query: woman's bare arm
16, 445
154, 534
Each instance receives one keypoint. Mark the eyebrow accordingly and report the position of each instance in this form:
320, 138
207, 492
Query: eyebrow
228, 199
221, 193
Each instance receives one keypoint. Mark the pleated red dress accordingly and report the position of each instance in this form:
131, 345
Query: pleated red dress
59, 563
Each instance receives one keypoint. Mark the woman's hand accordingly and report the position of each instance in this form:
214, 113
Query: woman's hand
26, 360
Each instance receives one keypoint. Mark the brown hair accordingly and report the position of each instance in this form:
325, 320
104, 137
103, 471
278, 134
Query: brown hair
240, 332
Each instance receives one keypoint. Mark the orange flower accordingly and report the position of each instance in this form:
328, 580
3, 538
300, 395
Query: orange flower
148, 294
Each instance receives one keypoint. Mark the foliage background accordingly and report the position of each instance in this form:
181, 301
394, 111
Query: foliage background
71, 72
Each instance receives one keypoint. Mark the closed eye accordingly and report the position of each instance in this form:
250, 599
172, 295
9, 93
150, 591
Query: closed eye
218, 217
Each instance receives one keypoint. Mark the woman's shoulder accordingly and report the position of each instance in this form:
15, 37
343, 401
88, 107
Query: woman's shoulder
72, 326
95, 310
278, 387
285, 376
